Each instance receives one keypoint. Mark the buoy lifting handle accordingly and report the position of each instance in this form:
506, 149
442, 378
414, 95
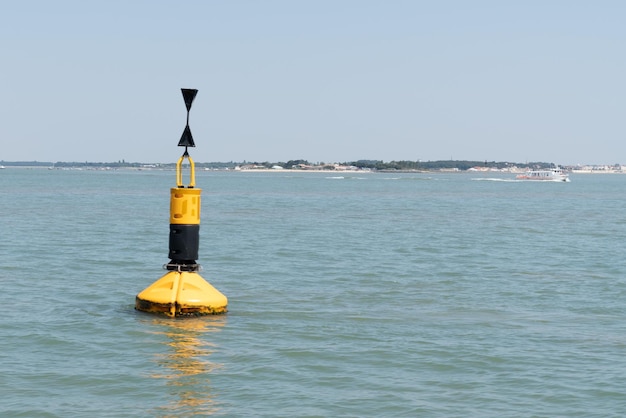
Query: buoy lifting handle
179, 171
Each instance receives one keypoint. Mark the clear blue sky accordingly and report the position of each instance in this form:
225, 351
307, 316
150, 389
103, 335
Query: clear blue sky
321, 80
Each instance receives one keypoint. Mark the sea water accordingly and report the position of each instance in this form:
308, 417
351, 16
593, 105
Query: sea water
350, 294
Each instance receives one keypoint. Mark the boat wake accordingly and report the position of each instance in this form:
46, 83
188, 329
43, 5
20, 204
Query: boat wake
497, 179
345, 178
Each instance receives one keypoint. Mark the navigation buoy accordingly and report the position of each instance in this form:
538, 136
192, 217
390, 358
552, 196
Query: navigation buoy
182, 291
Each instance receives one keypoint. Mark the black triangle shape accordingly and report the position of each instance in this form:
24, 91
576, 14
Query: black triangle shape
186, 140
188, 96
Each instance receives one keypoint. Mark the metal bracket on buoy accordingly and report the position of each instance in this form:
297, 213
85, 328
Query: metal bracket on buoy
179, 171
182, 291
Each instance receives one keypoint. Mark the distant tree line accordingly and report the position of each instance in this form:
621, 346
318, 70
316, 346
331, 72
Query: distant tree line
440, 165
378, 165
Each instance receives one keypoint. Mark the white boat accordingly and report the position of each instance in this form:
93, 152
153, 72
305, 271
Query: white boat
553, 174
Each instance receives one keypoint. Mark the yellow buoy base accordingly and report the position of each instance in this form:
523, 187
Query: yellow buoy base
181, 293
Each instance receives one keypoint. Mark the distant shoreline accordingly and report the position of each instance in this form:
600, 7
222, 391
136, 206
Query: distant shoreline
293, 171
360, 166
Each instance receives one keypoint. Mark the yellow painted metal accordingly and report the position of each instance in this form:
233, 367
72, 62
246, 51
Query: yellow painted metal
179, 171
185, 206
183, 293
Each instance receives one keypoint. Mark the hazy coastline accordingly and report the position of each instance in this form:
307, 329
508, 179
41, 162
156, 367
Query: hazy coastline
460, 166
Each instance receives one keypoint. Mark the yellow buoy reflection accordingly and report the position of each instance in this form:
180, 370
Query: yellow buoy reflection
186, 364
